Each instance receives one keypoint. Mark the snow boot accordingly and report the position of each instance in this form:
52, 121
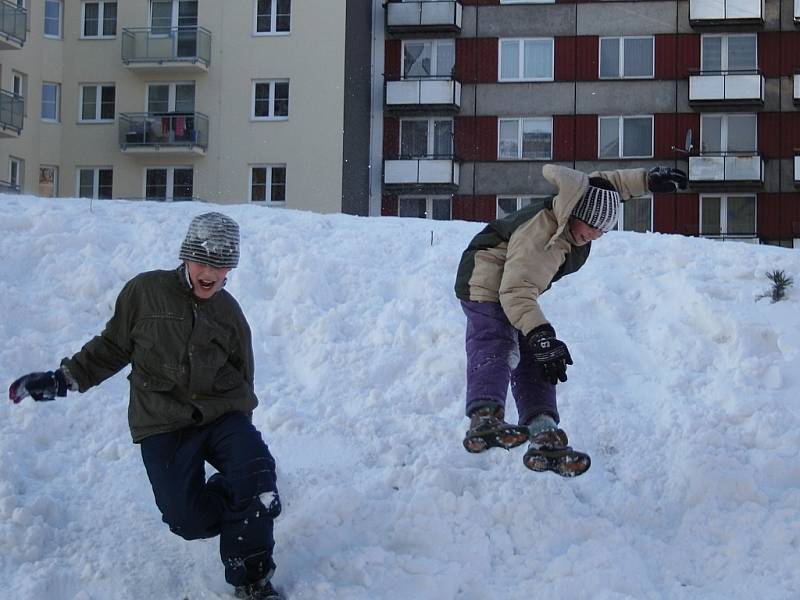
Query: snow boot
549, 450
260, 590
487, 429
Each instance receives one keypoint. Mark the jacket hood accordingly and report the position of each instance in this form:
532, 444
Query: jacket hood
571, 186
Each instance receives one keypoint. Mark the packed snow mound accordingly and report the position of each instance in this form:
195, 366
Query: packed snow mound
684, 391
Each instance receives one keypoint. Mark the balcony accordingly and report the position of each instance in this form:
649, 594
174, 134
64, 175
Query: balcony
154, 48
726, 87
425, 95
797, 86
797, 12
797, 170
13, 26
150, 133
425, 16
726, 12
12, 110
8, 188
726, 167
430, 174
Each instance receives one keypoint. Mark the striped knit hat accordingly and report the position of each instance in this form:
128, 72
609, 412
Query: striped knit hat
599, 206
212, 239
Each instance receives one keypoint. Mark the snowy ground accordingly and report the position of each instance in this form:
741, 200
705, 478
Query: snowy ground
684, 390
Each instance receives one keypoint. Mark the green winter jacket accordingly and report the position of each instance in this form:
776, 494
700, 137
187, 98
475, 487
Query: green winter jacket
191, 359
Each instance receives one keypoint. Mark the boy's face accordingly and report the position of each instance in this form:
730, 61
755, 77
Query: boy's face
583, 233
206, 280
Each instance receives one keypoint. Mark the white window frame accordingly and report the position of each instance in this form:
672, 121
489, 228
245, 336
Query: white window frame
520, 121
97, 106
431, 134
19, 86
621, 214
521, 202
60, 33
55, 181
273, 21
95, 180
57, 118
435, 45
268, 201
172, 94
621, 136
101, 20
170, 185
174, 17
724, 132
621, 66
16, 172
723, 215
270, 116
429, 200
521, 59
724, 37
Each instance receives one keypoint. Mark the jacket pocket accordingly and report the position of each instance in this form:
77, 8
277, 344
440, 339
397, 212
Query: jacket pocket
148, 383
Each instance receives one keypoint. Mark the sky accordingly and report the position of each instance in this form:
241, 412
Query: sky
684, 391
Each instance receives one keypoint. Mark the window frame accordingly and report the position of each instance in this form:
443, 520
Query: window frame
521, 202
271, 100
723, 215
521, 60
621, 136
429, 199
100, 20
724, 54
268, 185
621, 57
430, 137
435, 45
170, 183
621, 214
57, 87
520, 134
17, 181
272, 32
95, 182
23, 88
172, 95
724, 133
54, 168
98, 102
60, 34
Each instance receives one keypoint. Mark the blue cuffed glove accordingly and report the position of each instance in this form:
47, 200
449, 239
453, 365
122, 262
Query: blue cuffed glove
42, 385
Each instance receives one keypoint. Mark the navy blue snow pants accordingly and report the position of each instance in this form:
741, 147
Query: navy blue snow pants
238, 503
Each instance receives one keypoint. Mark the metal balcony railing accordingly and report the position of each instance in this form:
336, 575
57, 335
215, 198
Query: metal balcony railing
12, 111
750, 238
13, 25
424, 93
726, 86
166, 47
435, 171
8, 188
710, 12
729, 167
425, 15
144, 132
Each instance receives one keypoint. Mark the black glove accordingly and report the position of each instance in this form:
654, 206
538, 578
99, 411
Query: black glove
40, 386
549, 352
662, 180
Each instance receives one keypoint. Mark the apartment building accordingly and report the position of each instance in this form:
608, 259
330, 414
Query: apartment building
479, 94
263, 101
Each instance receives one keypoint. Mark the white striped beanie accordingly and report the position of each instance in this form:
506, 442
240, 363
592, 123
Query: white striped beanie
212, 239
599, 206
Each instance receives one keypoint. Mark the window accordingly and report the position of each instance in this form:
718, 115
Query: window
166, 15
428, 58
729, 52
99, 19
97, 103
425, 207
51, 102
530, 139
52, 18
270, 99
48, 181
729, 132
16, 173
509, 204
636, 214
626, 57
626, 137
526, 59
170, 98
426, 138
95, 182
272, 16
20, 88
268, 183
170, 183
728, 215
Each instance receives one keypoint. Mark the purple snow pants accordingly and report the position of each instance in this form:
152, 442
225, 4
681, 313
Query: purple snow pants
498, 353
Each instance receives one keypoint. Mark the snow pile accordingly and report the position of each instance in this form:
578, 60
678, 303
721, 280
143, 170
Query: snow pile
684, 390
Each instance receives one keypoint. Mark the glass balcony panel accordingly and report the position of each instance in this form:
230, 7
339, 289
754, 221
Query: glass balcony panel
429, 92
147, 132
181, 46
424, 14
726, 86
421, 171
797, 169
797, 85
12, 110
726, 10
730, 168
797, 10
13, 25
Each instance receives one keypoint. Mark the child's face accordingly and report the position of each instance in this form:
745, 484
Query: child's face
206, 280
583, 233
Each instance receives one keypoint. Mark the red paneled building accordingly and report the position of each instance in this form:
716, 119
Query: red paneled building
480, 94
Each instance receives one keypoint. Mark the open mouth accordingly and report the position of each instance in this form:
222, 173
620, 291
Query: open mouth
205, 284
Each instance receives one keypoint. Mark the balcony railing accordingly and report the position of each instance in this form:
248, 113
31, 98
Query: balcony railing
727, 167
156, 47
434, 173
797, 169
12, 111
727, 86
797, 11
13, 26
8, 188
184, 133
713, 12
427, 94
797, 86
425, 15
